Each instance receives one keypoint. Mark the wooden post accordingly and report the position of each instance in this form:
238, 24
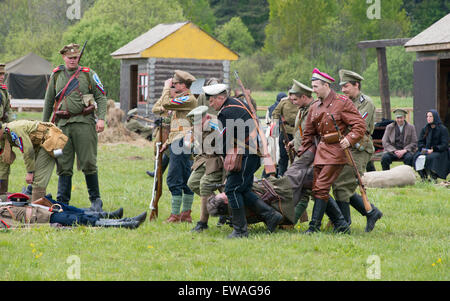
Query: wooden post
384, 82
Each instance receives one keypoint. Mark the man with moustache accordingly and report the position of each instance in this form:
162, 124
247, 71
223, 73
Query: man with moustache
73, 112
329, 157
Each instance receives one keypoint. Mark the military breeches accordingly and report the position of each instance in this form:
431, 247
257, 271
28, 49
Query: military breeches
238, 187
82, 143
179, 170
44, 165
324, 176
345, 185
204, 184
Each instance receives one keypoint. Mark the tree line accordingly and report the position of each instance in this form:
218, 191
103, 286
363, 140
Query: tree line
277, 40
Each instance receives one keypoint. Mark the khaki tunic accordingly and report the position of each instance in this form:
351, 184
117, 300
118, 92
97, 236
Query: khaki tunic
36, 158
289, 111
180, 106
5, 107
20, 216
346, 183
300, 121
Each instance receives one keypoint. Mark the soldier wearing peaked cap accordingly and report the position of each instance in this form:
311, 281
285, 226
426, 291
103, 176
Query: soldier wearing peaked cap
399, 141
329, 159
207, 170
180, 162
201, 99
71, 95
345, 185
236, 126
301, 96
5, 116
285, 112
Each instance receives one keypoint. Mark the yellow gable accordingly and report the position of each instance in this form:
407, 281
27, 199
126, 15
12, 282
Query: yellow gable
190, 42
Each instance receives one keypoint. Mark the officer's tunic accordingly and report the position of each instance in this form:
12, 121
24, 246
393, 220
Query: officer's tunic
5, 105
346, 183
36, 158
81, 129
180, 162
330, 158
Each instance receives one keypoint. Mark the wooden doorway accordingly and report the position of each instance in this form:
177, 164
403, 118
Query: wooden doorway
443, 106
133, 87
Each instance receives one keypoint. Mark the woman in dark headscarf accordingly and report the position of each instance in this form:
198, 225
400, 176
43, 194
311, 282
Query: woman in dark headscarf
433, 143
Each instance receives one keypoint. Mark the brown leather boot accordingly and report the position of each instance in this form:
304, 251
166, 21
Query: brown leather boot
37, 193
186, 216
173, 218
3, 189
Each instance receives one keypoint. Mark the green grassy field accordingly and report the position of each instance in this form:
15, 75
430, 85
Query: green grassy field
410, 242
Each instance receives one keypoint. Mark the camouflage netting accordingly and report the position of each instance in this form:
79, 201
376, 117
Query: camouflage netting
115, 131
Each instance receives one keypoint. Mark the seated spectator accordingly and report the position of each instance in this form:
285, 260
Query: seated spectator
399, 141
433, 145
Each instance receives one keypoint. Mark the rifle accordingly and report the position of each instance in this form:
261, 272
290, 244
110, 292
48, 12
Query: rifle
157, 180
349, 156
286, 140
131, 114
269, 166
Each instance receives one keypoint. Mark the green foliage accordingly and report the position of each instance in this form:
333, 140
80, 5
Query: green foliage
254, 14
400, 68
424, 13
200, 13
108, 27
236, 36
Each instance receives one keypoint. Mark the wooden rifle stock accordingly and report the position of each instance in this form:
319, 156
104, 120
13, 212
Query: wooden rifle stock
269, 166
352, 162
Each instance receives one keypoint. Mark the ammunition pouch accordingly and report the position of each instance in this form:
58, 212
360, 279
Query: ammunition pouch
331, 138
54, 139
233, 161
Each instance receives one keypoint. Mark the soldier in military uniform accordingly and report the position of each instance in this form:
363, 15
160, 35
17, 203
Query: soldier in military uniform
5, 116
238, 187
135, 126
286, 113
203, 101
70, 96
301, 96
345, 185
180, 155
329, 157
207, 170
36, 140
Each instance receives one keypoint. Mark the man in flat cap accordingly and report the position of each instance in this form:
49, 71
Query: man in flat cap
329, 158
237, 128
5, 116
285, 112
179, 154
399, 141
345, 185
301, 96
207, 170
70, 100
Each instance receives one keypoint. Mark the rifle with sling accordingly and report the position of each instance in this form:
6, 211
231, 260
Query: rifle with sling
286, 140
157, 180
269, 166
349, 156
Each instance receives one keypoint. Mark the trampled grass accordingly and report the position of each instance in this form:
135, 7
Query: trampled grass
410, 242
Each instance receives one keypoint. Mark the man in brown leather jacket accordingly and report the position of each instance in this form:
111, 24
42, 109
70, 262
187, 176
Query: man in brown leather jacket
330, 158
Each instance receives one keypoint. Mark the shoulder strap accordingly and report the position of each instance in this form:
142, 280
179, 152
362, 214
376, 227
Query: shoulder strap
61, 97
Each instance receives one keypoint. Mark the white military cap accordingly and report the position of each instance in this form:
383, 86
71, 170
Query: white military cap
214, 89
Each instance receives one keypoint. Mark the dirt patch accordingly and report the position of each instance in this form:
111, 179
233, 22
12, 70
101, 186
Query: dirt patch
115, 131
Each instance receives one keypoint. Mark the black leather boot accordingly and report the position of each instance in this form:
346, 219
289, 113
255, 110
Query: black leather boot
373, 216
270, 216
317, 214
94, 192
64, 189
239, 223
108, 215
200, 227
345, 209
129, 223
337, 218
